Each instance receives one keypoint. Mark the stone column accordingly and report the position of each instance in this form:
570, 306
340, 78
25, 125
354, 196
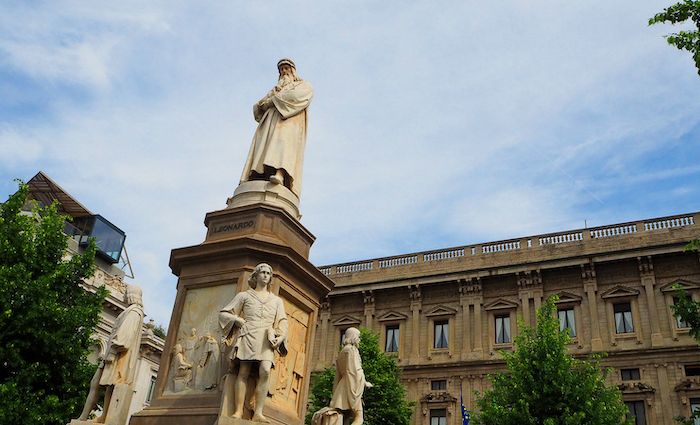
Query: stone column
646, 274
416, 301
466, 331
323, 334
474, 297
665, 391
368, 299
590, 285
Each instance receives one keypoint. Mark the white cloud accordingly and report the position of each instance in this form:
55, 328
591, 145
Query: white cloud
431, 126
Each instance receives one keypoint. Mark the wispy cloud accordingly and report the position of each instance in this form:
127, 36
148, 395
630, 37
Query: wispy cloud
430, 127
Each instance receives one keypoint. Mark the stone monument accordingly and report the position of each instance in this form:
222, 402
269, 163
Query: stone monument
348, 387
117, 370
247, 299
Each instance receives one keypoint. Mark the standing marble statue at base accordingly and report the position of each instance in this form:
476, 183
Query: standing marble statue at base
117, 370
254, 325
349, 385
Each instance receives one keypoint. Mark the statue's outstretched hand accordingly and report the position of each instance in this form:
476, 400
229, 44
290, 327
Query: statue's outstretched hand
368, 385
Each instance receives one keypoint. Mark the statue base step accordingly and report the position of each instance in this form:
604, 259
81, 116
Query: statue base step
264, 192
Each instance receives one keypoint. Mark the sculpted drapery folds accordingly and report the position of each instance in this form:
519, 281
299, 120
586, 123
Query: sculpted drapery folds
119, 363
277, 151
254, 324
348, 387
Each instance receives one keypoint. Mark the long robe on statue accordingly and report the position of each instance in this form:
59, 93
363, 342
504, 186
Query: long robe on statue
123, 347
349, 380
280, 138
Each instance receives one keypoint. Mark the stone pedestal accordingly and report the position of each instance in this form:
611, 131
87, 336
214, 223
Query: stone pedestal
209, 275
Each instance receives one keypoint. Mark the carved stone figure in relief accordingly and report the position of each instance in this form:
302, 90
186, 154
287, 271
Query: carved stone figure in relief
255, 325
118, 367
208, 367
181, 370
277, 151
348, 387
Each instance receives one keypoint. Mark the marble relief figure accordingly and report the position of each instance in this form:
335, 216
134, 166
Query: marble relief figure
277, 151
207, 376
254, 326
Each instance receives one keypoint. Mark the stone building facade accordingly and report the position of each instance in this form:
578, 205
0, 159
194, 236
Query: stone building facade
446, 314
110, 266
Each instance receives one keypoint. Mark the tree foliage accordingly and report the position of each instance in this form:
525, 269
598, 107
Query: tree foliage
683, 40
46, 318
684, 307
545, 385
385, 403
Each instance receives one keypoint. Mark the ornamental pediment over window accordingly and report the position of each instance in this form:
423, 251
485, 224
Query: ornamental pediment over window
568, 298
620, 291
501, 304
441, 310
686, 285
347, 320
392, 316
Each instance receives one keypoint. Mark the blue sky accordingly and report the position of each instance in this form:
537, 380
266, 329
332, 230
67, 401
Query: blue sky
434, 124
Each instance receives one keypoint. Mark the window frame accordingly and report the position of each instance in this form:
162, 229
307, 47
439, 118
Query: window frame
564, 325
445, 328
396, 328
625, 314
438, 414
503, 317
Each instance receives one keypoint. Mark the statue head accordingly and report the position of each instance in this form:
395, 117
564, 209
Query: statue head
288, 72
352, 336
133, 295
261, 274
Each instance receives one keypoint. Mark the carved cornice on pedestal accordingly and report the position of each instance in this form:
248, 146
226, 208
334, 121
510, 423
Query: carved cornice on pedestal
645, 265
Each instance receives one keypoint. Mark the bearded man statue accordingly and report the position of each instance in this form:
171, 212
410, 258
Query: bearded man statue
277, 151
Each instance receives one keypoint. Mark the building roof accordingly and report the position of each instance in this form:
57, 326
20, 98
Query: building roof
46, 191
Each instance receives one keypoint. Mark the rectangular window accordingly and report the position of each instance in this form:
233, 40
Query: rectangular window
566, 321
695, 408
392, 339
438, 416
692, 370
623, 318
151, 389
503, 329
342, 336
636, 409
629, 374
442, 332
438, 385
680, 323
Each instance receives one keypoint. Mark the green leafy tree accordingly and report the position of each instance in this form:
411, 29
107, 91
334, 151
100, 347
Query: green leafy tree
683, 40
385, 403
160, 331
689, 311
545, 385
46, 317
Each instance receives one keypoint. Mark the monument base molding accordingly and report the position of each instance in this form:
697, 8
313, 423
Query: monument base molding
209, 276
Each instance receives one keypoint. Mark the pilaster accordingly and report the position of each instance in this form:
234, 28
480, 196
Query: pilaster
590, 286
416, 305
648, 278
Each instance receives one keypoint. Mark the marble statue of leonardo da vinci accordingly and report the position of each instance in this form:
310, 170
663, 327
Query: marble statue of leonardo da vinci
277, 151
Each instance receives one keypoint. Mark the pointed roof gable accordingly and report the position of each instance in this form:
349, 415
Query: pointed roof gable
568, 297
686, 285
346, 320
392, 316
501, 304
441, 310
620, 291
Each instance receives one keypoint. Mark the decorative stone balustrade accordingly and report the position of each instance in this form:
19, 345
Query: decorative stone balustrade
608, 232
500, 247
443, 255
354, 267
563, 239
669, 223
398, 261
